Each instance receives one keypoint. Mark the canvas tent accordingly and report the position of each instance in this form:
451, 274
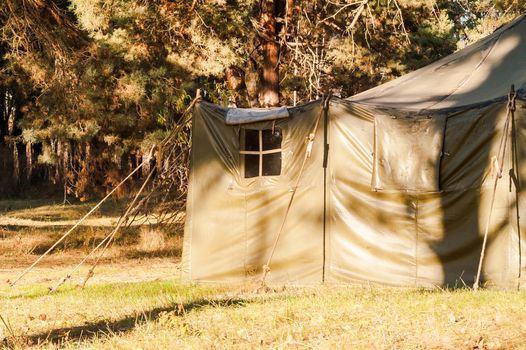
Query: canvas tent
398, 188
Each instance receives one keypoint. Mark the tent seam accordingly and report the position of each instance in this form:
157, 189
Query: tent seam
468, 78
416, 240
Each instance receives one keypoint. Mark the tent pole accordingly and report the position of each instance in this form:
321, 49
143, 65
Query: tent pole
325, 162
516, 182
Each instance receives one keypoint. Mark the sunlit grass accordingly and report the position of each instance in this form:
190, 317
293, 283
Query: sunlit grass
31, 227
167, 314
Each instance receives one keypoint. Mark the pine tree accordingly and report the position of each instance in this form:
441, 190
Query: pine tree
87, 87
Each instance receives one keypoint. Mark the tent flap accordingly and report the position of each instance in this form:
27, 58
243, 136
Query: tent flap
407, 153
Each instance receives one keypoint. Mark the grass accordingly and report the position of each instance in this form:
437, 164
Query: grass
167, 314
135, 301
53, 209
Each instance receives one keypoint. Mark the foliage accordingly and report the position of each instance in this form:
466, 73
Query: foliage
94, 83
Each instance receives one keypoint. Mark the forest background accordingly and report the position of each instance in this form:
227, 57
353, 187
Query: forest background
88, 86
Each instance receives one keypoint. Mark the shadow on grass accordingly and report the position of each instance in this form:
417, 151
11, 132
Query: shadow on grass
160, 253
62, 336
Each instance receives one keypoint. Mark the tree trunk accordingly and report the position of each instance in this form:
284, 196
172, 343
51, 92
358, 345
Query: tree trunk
269, 93
235, 81
16, 163
146, 167
65, 169
82, 188
3, 114
58, 165
290, 11
138, 159
252, 82
29, 161
87, 157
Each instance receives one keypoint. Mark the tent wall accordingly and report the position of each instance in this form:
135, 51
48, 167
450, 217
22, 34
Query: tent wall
393, 237
232, 221
413, 238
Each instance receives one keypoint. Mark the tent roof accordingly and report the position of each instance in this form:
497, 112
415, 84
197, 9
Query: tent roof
481, 72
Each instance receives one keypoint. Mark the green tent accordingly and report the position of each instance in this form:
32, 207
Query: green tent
398, 188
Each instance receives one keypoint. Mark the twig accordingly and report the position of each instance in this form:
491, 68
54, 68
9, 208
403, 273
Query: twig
340, 10
358, 14
8, 327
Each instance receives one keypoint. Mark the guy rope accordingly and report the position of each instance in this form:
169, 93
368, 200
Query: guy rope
107, 240
12, 283
499, 166
310, 142
186, 117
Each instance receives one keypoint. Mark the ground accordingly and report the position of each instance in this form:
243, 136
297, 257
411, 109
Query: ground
135, 300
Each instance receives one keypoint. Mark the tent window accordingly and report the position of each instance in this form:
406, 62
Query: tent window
261, 152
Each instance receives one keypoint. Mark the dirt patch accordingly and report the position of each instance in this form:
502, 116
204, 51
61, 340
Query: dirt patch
98, 222
110, 269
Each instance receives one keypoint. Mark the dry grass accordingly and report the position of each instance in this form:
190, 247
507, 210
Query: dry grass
151, 239
31, 227
45, 214
53, 210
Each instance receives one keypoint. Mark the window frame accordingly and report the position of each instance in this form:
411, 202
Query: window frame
260, 153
